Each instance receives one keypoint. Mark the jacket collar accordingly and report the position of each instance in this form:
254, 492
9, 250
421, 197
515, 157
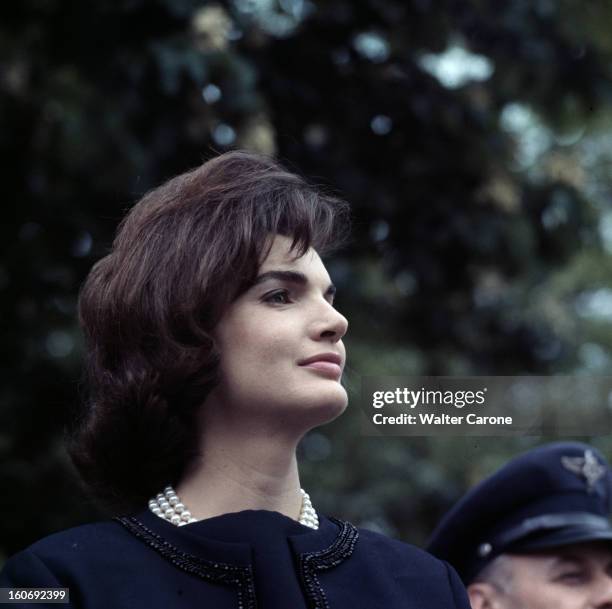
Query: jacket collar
232, 537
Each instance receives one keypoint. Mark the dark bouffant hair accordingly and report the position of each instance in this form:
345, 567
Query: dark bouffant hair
183, 253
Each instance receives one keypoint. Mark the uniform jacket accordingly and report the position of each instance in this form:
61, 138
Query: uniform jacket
246, 560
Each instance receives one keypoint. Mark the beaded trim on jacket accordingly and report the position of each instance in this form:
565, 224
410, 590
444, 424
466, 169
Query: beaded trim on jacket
312, 562
215, 572
241, 578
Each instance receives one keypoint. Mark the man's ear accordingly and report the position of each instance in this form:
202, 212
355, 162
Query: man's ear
483, 596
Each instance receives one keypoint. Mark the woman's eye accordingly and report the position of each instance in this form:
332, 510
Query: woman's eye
280, 297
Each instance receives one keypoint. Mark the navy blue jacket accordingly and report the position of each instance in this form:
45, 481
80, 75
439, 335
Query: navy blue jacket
236, 561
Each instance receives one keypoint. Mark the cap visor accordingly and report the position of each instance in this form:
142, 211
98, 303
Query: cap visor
561, 537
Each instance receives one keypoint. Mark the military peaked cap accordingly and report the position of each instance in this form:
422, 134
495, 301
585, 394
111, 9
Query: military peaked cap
553, 495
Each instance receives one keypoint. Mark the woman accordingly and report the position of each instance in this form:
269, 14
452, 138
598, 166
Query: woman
213, 347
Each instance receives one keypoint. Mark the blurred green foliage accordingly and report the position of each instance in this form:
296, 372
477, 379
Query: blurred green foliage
472, 138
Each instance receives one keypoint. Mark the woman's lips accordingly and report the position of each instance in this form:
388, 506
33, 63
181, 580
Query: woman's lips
328, 369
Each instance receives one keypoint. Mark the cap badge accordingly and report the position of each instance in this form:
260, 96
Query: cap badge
484, 549
587, 467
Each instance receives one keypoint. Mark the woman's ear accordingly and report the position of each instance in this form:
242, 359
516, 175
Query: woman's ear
484, 596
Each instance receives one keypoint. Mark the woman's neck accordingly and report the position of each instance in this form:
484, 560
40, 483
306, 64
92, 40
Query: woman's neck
242, 469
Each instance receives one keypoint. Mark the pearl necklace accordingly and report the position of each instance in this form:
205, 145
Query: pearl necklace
168, 506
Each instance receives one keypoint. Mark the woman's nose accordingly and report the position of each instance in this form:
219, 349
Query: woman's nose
334, 325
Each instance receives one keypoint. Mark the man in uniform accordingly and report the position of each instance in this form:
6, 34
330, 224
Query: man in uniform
536, 534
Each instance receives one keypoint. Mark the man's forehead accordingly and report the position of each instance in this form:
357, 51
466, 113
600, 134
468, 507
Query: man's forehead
588, 549
574, 552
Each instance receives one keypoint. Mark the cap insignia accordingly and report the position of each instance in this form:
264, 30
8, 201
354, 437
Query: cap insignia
587, 467
484, 549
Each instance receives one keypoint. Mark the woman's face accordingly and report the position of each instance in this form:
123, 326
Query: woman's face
281, 346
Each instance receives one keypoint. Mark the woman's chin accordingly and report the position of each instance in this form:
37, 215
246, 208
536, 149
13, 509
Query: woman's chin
299, 408
326, 407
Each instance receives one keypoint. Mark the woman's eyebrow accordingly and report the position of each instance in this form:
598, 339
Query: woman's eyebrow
291, 277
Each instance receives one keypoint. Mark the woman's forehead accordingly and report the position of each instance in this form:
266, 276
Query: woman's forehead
281, 255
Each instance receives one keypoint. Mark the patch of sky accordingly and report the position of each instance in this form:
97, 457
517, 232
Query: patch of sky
605, 230
456, 66
533, 138
372, 46
277, 18
381, 124
379, 230
595, 304
211, 93
59, 343
82, 245
557, 212
224, 135
594, 357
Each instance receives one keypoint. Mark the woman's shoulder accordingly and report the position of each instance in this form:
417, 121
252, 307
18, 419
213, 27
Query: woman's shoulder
84, 543
397, 551
400, 573
90, 536
45, 561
